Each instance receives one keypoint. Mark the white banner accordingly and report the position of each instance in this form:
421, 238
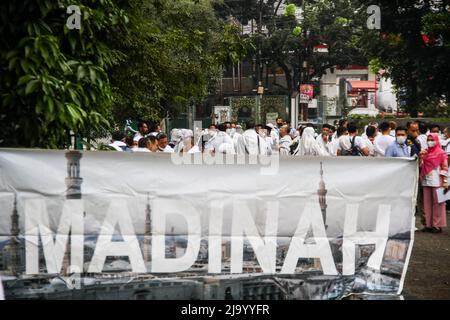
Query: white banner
114, 225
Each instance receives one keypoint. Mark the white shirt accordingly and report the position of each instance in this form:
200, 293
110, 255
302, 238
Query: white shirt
432, 179
333, 147
167, 149
140, 150
369, 145
138, 136
446, 145
359, 142
381, 143
117, 145
423, 141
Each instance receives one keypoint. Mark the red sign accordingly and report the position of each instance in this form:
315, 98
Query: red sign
307, 89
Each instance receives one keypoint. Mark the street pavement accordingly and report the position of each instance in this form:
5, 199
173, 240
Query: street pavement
428, 275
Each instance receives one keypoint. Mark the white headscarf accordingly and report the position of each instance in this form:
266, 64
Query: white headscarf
308, 145
184, 136
345, 143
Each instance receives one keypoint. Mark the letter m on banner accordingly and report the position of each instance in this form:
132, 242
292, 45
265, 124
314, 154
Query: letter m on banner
54, 247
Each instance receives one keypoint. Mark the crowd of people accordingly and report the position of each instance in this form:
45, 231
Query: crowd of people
428, 143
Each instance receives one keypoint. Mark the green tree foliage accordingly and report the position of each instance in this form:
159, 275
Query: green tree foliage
130, 59
413, 45
53, 79
175, 50
289, 42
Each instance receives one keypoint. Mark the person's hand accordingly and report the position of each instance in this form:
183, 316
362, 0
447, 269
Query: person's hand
423, 152
445, 185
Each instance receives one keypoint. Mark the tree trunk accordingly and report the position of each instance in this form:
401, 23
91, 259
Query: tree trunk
287, 73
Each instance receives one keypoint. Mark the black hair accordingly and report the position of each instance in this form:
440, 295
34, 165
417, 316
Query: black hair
129, 141
161, 135
384, 126
222, 126
422, 127
250, 124
341, 122
370, 131
326, 126
212, 125
117, 135
401, 128
435, 126
352, 129
142, 143
151, 138
153, 127
141, 124
341, 131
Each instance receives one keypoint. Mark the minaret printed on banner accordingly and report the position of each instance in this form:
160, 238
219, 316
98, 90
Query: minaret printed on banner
73, 192
322, 192
148, 232
14, 243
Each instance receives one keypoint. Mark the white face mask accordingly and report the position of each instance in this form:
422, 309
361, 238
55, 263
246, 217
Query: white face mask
431, 144
401, 140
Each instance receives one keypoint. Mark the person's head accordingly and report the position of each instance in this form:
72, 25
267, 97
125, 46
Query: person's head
341, 131
284, 130
401, 134
233, 125
280, 122
392, 125
143, 127
413, 129
447, 133
152, 143
250, 125
326, 130
384, 128
227, 125
212, 127
155, 127
142, 143
130, 142
423, 129
343, 123
117, 135
435, 128
371, 131
352, 130
222, 127
162, 140
433, 141
374, 124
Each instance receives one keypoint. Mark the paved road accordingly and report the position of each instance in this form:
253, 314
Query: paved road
428, 275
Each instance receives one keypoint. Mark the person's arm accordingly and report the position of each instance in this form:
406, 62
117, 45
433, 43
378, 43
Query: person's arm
444, 174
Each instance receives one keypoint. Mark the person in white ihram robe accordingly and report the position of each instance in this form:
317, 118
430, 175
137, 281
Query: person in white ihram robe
252, 143
309, 146
285, 141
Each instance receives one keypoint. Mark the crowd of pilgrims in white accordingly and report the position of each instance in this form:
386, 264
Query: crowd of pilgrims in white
343, 139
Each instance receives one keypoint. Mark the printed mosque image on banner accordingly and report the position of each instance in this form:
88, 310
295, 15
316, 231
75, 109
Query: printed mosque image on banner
75, 244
